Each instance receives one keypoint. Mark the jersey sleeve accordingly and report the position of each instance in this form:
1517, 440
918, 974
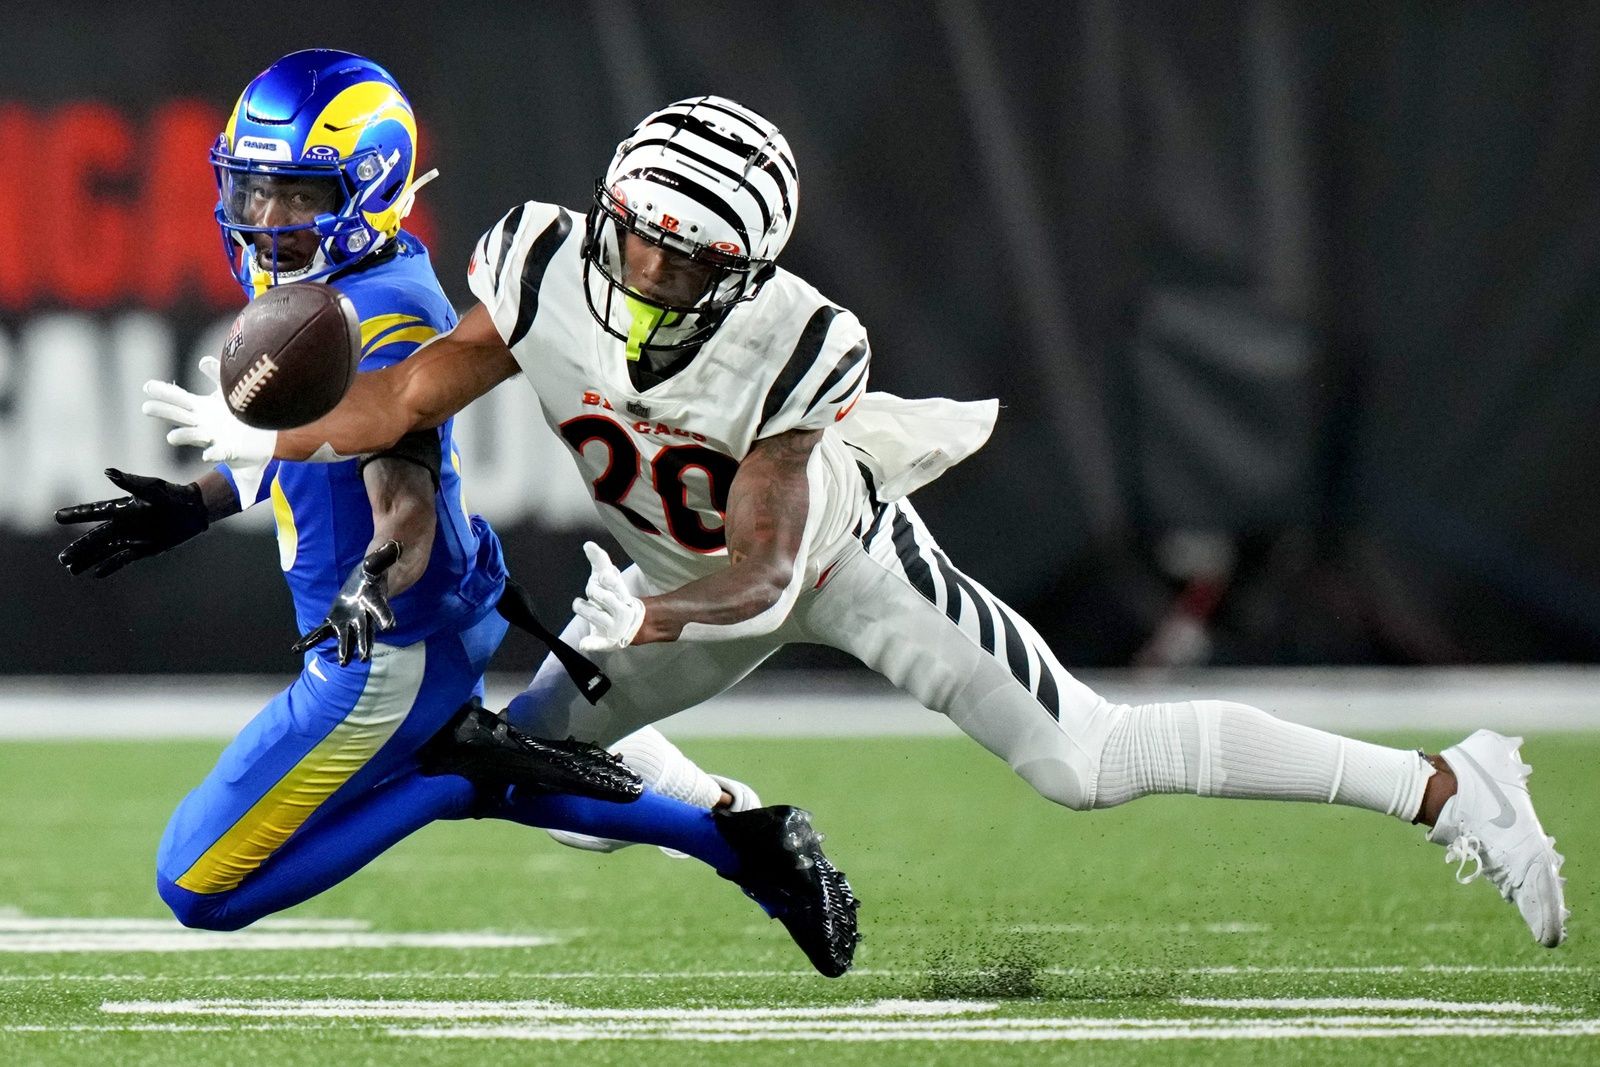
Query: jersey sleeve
506, 272
824, 377
395, 324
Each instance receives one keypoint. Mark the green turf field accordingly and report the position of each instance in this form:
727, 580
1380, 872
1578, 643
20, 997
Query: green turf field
999, 929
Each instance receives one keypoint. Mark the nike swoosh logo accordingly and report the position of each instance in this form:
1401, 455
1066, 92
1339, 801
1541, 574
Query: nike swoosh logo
846, 409
1506, 816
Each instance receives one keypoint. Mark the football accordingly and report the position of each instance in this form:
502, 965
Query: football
291, 356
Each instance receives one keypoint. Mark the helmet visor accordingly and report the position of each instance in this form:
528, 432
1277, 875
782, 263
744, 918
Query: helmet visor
276, 212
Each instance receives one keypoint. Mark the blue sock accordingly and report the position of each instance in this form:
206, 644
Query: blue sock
651, 820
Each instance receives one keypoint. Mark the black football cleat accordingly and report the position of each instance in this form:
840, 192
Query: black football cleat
485, 749
782, 868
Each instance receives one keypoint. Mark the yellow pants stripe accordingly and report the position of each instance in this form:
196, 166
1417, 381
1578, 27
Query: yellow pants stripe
391, 690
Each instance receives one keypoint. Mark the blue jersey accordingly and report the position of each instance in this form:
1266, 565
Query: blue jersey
323, 514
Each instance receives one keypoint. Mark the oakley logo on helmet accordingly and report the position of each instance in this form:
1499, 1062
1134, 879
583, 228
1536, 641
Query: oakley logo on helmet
322, 151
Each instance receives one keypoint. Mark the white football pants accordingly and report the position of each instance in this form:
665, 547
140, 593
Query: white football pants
894, 601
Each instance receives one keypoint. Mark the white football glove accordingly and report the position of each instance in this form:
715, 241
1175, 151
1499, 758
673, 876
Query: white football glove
205, 422
613, 614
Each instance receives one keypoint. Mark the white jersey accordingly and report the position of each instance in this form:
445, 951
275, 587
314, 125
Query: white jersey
660, 460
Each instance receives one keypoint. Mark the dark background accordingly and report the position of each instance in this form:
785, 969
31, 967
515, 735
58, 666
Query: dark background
1294, 313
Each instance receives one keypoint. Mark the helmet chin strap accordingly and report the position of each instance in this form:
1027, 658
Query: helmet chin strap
408, 198
263, 279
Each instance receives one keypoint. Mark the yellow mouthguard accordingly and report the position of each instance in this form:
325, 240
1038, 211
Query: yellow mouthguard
645, 319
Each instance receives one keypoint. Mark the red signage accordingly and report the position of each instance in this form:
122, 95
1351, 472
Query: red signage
100, 209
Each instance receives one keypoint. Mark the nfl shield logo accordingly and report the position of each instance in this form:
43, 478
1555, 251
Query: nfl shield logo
638, 410
235, 338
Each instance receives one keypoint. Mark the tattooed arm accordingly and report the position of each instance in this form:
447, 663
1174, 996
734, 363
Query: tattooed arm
768, 505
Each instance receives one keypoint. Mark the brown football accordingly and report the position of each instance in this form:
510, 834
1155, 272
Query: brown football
291, 355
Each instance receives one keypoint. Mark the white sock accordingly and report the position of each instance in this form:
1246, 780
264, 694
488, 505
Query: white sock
1214, 748
665, 769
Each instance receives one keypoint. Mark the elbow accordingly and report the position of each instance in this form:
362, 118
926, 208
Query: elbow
769, 583
768, 596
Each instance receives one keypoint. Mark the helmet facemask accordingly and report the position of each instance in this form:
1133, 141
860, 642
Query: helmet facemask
321, 200
645, 320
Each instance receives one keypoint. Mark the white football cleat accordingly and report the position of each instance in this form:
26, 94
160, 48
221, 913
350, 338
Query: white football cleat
1490, 823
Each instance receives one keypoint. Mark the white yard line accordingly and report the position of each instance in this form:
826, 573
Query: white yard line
899, 1020
350, 1008
145, 1028
1172, 1030
12, 923
885, 1020
180, 940
1033, 1031
1380, 1004
859, 972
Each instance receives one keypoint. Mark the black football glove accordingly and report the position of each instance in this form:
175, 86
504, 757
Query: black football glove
360, 610
155, 517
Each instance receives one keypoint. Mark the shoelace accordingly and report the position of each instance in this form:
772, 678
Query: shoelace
1463, 850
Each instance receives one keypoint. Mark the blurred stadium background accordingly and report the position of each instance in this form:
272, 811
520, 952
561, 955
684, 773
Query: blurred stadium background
1294, 314
1292, 309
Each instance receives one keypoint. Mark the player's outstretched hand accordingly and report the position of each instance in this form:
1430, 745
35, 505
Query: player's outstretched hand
153, 517
360, 610
205, 422
613, 613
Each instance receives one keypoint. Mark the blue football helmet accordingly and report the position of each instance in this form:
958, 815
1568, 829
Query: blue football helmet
315, 169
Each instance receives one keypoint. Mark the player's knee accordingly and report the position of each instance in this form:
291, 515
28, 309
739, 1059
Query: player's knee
1059, 780
535, 712
199, 911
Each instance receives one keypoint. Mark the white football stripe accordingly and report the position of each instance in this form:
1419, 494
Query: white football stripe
1577, 970
1029, 1031
886, 1020
1480, 1007
180, 940
1173, 1030
33, 924
336, 1007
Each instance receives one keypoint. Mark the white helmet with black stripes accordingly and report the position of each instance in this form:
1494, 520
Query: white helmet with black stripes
712, 183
